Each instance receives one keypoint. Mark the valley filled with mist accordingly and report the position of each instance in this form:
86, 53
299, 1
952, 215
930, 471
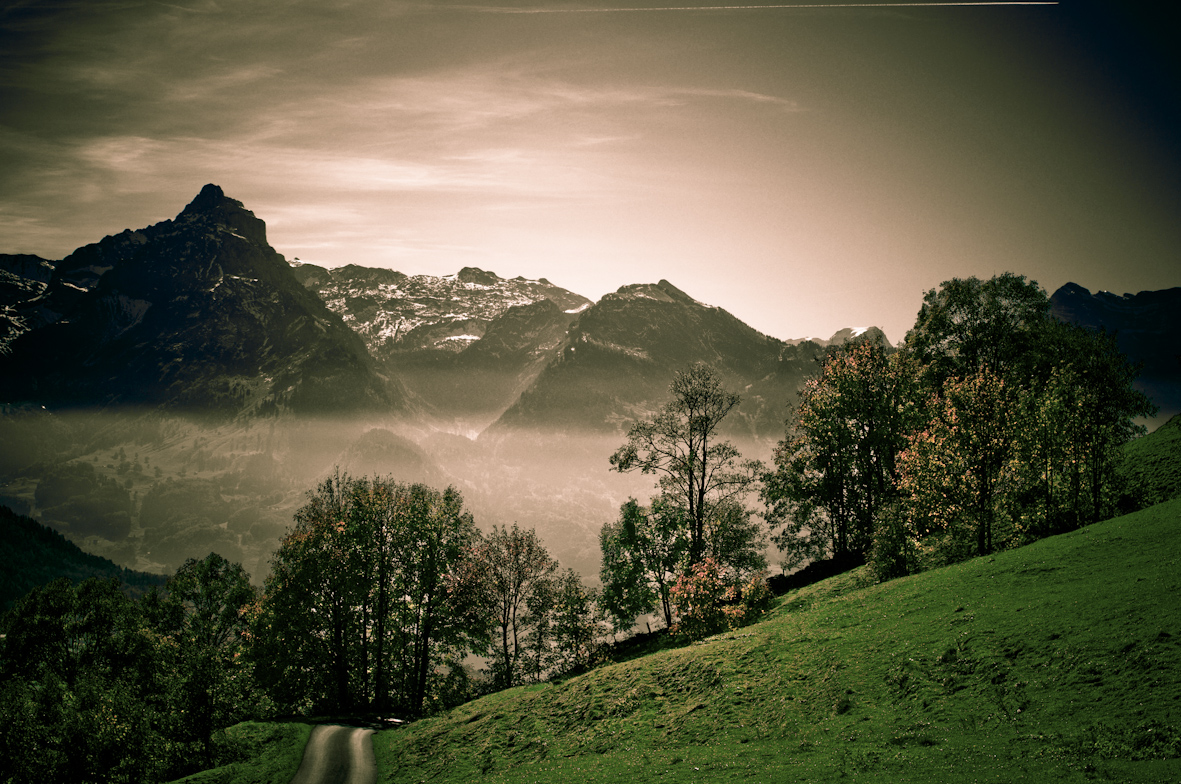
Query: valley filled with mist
179, 389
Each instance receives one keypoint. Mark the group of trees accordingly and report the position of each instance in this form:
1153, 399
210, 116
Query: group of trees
368, 597
992, 425
383, 589
376, 597
99, 687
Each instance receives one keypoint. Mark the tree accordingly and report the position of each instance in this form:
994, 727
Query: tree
576, 622
438, 614
216, 687
642, 552
84, 694
968, 325
1074, 427
369, 597
563, 622
837, 470
957, 473
708, 600
517, 568
539, 656
681, 445
735, 539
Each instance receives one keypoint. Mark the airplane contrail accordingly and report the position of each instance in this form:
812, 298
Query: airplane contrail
495, 10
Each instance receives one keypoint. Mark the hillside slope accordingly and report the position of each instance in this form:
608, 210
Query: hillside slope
1153, 463
32, 555
1060, 661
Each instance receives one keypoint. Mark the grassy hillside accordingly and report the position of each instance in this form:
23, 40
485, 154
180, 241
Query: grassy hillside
32, 555
1060, 661
1153, 463
269, 753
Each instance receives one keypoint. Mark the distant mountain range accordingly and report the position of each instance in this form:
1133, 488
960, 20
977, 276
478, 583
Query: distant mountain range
200, 313
399, 313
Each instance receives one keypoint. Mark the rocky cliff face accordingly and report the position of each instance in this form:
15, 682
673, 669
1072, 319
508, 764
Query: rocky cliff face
396, 313
23, 277
197, 312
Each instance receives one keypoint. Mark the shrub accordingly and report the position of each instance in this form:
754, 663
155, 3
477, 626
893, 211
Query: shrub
698, 598
707, 602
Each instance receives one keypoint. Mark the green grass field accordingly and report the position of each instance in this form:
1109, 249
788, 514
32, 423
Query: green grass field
269, 753
1059, 661
1154, 463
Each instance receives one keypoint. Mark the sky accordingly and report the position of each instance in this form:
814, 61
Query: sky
807, 168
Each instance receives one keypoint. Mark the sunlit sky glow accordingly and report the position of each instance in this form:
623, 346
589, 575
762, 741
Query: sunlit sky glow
807, 168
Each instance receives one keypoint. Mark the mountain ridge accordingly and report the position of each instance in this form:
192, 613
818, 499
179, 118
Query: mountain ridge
196, 312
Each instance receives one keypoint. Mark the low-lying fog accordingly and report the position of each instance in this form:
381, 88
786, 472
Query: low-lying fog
149, 490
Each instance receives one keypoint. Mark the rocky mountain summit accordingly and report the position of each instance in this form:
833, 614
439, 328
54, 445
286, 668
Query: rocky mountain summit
397, 313
197, 312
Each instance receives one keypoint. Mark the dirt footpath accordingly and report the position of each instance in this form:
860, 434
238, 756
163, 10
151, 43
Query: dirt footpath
338, 755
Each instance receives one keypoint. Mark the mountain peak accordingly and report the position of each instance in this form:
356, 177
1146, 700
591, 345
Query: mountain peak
662, 291
478, 276
673, 291
1071, 290
210, 198
213, 203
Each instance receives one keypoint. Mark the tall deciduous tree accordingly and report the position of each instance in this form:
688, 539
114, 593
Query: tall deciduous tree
642, 551
214, 596
681, 445
837, 470
577, 622
1074, 422
968, 325
958, 472
438, 615
517, 567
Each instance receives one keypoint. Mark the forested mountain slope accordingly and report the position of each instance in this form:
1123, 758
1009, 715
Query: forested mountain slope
33, 555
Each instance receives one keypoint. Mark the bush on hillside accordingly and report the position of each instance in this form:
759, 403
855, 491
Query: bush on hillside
706, 602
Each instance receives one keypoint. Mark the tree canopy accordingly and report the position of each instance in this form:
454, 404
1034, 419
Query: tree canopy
369, 597
681, 445
993, 424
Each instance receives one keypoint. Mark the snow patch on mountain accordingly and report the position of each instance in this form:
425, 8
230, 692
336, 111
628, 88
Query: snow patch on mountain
394, 312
